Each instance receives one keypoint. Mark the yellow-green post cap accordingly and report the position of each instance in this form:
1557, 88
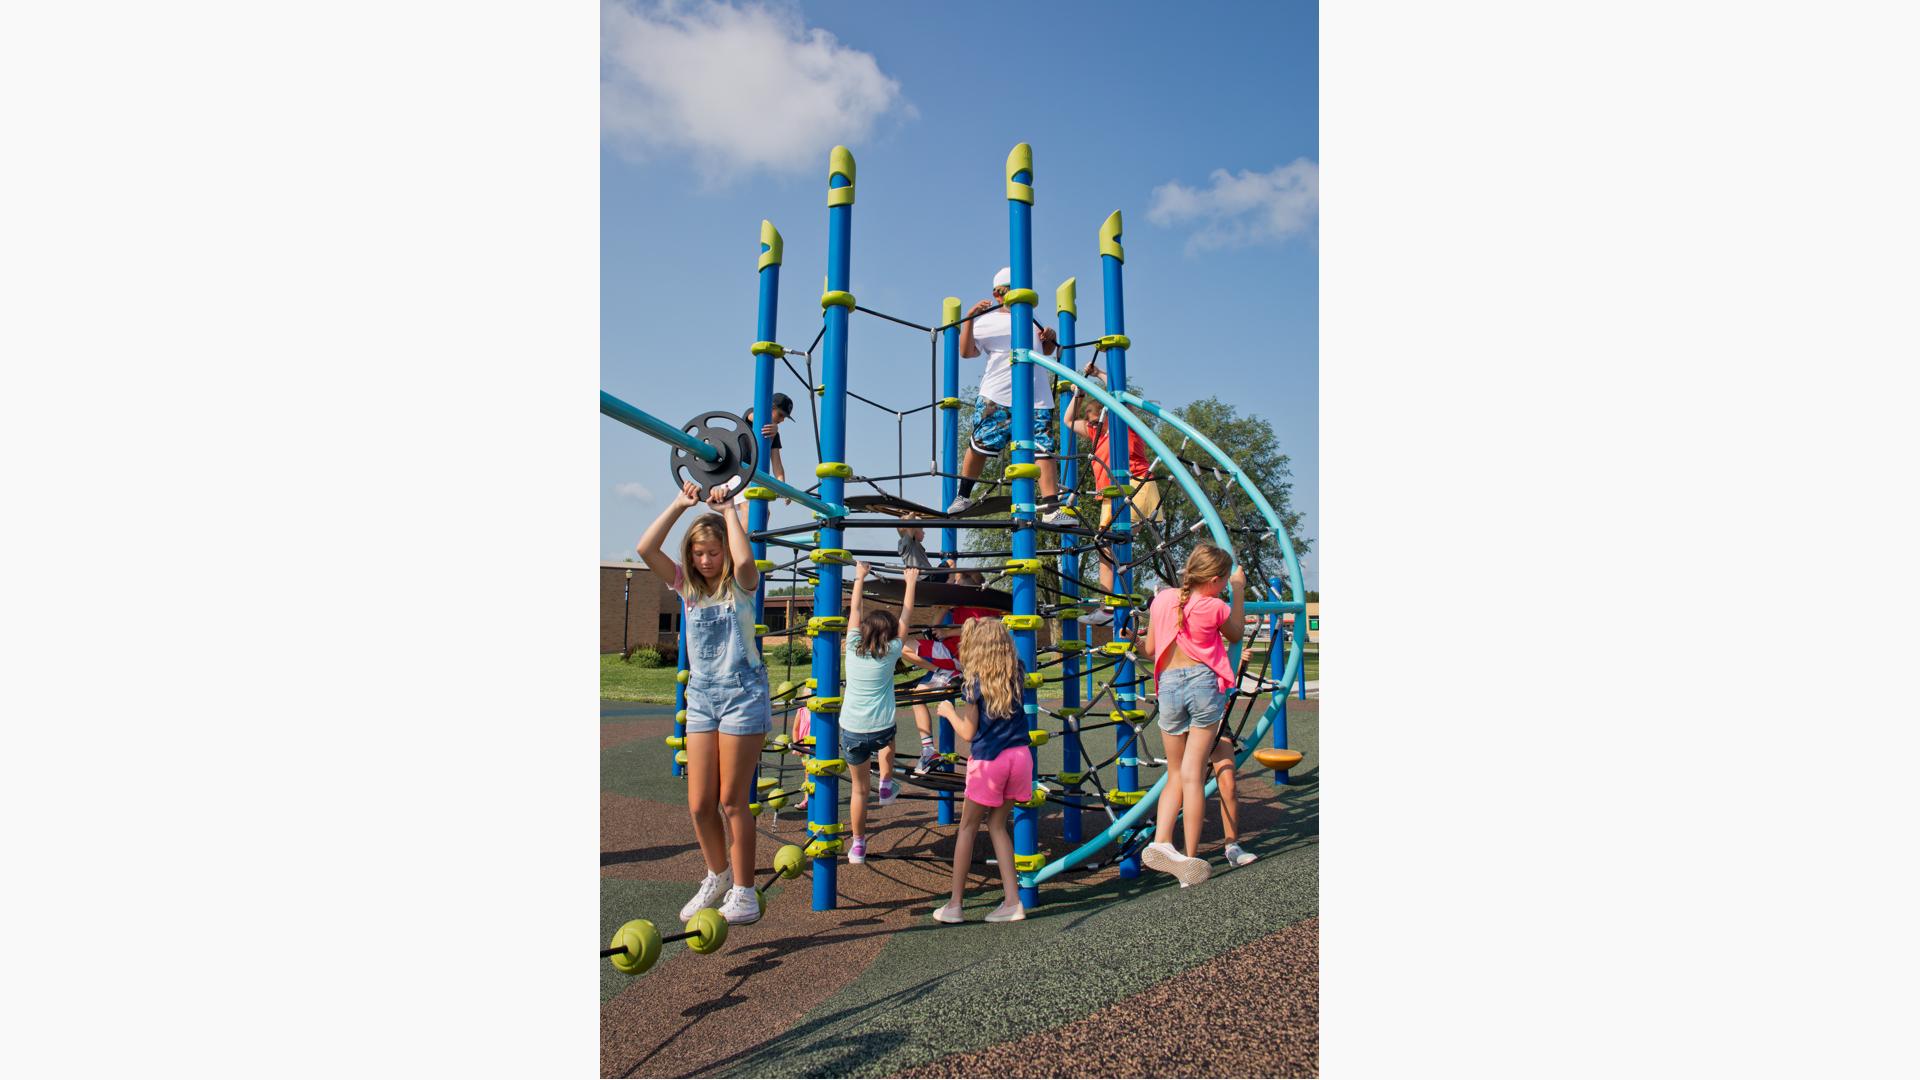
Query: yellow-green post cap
950, 310
840, 163
1020, 162
770, 245
1063, 297
1110, 237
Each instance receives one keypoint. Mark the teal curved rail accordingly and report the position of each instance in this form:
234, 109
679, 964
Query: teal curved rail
1125, 822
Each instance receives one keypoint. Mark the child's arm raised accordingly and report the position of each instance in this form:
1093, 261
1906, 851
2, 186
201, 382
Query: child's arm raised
859, 587
745, 573
656, 534
912, 576
1236, 626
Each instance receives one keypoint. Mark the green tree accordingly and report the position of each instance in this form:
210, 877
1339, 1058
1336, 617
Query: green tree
1250, 443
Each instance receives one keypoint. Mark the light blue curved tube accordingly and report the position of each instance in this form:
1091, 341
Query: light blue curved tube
1287, 557
1192, 488
1125, 822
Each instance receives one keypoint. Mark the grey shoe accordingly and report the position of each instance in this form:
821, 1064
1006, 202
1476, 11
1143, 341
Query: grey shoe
958, 506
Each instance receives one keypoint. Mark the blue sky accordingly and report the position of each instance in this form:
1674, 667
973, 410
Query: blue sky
1202, 130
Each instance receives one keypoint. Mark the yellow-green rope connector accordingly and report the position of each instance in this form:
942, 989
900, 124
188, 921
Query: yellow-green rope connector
1020, 296
762, 494
833, 468
1038, 736
1022, 567
1071, 645
824, 704
1118, 603
1070, 711
1034, 802
824, 624
1035, 680
1028, 864
830, 556
764, 783
1021, 622
1022, 470
951, 403
761, 629
820, 849
1113, 341
1070, 613
763, 565
769, 348
1115, 648
1124, 798
836, 298
1070, 778
833, 766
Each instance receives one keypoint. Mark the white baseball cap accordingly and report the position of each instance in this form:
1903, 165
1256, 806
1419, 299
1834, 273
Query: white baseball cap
1004, 277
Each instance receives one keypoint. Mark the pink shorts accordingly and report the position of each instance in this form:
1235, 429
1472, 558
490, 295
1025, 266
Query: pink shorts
1008, 777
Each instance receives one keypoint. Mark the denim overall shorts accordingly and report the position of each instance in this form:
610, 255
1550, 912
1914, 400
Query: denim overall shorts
726, 685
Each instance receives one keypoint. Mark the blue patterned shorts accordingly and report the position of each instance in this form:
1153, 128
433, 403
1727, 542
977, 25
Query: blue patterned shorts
993, 422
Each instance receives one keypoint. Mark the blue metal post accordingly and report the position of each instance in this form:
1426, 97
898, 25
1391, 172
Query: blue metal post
823, 808
1020, 303
765, 332
1065, 311
1126, 697
949, 487
1280, 719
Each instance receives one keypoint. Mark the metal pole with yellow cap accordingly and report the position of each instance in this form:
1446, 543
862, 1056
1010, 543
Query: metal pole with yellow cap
1066, 313
1114, 344
764, 350
949, 408
1020, 300
823, 809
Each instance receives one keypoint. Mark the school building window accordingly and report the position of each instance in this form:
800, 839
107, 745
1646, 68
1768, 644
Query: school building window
669, 622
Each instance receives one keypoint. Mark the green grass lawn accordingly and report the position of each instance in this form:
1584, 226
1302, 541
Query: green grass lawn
621, 681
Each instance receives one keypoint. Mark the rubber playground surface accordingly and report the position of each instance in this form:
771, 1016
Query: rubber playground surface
1109, 977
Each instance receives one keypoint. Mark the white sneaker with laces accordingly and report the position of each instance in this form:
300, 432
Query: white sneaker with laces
1058, 517
1098, 618
742, 906
958, 506
1239, 856
708, 896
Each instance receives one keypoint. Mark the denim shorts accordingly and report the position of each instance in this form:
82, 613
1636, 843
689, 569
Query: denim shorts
1190, 695
993, 426
733, 703
858, 747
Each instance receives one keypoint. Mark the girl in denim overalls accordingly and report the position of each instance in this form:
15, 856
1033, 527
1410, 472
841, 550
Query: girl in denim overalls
728, 714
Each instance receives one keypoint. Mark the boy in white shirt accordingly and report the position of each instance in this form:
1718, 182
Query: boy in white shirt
993, 412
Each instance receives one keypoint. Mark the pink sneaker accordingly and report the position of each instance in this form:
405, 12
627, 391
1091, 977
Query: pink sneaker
857, 851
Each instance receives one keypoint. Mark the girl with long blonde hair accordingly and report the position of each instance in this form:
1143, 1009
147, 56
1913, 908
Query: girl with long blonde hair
1187, 636
992, 717
728, 711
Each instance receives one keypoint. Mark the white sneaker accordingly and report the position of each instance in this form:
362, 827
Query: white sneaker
742, 906
1099, 618
885, 793
708, 896
958, 506
1239, 856
1059, 517
948, 914
1165, 858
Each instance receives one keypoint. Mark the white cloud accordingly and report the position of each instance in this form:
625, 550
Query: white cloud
1244, 208
736, 88
633, 489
